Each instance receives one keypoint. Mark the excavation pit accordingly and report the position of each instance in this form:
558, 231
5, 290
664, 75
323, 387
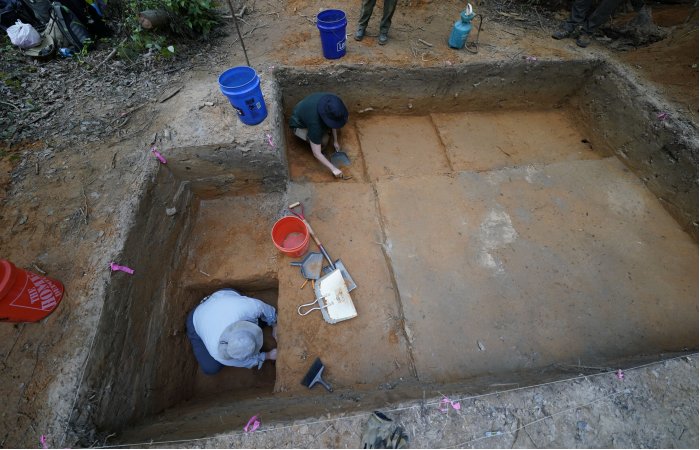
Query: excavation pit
505, 224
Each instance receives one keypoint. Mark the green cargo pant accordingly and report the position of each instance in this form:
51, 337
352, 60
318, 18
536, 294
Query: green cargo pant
366, 13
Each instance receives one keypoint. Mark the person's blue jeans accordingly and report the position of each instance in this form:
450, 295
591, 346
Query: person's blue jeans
209, 365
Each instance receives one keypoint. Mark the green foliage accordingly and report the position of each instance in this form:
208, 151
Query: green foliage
197, 15
188, 18
80, 56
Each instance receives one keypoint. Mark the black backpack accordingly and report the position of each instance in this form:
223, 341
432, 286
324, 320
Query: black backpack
87, 15
66, 29
13, 10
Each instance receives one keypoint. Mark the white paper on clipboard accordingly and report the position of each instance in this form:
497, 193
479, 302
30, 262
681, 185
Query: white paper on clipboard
334, 298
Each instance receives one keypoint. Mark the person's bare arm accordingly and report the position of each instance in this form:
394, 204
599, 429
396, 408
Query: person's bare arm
316, 150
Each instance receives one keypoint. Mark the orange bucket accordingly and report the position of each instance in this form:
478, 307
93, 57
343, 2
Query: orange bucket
290, 236
26, 296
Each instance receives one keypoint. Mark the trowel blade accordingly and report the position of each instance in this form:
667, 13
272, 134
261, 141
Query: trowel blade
340, 159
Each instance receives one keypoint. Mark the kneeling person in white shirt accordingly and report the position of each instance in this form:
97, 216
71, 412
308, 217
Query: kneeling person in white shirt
223, 330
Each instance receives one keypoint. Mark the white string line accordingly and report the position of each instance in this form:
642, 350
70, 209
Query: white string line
80, 384
548, 416
364, 414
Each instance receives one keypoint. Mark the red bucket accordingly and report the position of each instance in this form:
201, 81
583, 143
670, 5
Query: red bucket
26, 296
290, 236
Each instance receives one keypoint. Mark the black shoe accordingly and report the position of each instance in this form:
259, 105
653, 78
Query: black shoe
359, 34
383, 38
583, 40
562, 34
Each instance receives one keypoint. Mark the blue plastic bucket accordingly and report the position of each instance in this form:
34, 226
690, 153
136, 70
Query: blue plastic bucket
331, 23
242, 87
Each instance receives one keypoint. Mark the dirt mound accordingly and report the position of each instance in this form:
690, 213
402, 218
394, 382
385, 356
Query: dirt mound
639, 31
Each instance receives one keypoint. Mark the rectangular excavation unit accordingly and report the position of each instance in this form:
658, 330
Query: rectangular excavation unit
505, 223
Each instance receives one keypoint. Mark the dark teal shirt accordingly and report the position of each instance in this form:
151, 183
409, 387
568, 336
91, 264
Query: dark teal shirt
305, 115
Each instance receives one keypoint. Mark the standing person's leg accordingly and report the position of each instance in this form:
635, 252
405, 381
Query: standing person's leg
579, 11
389, 8
601, 14
209, 365
365, 14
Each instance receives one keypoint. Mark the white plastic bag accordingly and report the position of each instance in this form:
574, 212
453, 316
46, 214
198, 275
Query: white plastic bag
23, 35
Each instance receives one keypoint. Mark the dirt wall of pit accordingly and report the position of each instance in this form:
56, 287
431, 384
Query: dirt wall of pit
202, 419
484, 86
662, 151
136, 370
130, 363
136, 367
217, 153
619, 113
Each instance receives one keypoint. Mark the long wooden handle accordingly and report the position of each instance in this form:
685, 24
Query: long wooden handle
311, 232
318, 242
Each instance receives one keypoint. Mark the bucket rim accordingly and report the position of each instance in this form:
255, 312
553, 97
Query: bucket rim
307, 235
7, 276
319, 20
242, 68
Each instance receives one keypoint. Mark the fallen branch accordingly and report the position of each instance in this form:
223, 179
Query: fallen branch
86, 213
425, 43
168, 95
307, 18
135, 108
43, 116
253, 29
514, 34
539, 19
110, 56
10, 104
239, 14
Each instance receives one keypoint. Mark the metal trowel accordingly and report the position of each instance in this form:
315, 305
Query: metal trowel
340, 159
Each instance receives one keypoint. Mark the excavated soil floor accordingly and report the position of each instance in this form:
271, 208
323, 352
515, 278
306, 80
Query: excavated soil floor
480, 242
485, 244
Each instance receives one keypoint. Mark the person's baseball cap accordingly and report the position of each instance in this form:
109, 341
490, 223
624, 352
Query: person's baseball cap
240, 341
332, 111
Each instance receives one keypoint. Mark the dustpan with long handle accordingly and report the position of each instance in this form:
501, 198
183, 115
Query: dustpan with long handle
346, 275
311, 265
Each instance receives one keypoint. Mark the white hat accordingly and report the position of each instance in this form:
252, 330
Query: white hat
240, 340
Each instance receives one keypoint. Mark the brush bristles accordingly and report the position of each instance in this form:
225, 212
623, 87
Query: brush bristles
312, 372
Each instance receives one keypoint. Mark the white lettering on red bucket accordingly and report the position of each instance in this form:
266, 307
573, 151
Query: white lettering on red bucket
42, 296
33, 295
